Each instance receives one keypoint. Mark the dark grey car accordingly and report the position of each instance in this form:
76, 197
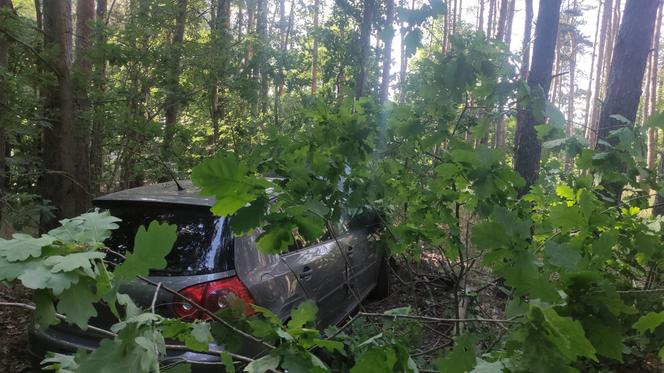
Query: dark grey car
207, 261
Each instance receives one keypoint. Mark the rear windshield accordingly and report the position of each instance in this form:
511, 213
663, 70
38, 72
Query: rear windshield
204, 242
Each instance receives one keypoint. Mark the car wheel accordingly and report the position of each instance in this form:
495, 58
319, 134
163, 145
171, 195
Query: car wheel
382, 289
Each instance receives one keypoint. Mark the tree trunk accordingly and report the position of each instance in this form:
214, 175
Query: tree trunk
502, 21
586, 120
525, 46
99, 79
220, 38
5, 5
652, 81
480, 17
489, 20
510, 22
61, 183
528, 149
388, 31
628, 65
81, 77
591, 129
626, 74
173, 98
314, 52
365, 48
251, 24
261, 58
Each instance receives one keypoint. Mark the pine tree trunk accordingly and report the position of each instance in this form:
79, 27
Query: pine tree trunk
510, 22
314, 52
604, 39
652, 82
251, 24
365, 47
525, 46
172, 105
388, 31
480, 17
528, 149
502, 21
586, 120
628, 64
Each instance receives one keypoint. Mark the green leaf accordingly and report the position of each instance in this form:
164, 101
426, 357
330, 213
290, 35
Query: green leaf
462, 357
68, 263
226, 178
182, 368
200, 331
650, 321
77, 303
265, 363
227, 361
562, 255
303, 314
565, 333
44, 315
91, 228
249, 217
374, 361
276, 238
23, 246
150, 249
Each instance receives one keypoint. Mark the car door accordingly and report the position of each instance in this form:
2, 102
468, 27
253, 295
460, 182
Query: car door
321, 271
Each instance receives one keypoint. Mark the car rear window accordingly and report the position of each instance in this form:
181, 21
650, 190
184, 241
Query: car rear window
204, 242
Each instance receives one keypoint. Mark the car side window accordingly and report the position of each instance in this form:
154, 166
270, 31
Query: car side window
299, 242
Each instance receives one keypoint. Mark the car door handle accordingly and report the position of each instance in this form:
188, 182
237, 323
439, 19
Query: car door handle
306, 273
349, 251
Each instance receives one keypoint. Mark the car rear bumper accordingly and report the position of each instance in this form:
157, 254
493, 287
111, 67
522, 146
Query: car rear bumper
42, 342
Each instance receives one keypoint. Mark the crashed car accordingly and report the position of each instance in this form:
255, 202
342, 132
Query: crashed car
208, 264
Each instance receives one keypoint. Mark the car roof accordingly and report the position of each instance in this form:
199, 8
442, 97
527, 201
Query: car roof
159, 193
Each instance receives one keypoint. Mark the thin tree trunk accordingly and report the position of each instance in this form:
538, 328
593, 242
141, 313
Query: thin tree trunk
510, 22
314, 52
251, 24
502, 21
261, 58
489, 20
172, 105
480, 17
388, 31
4, 120
586, 120
652, 81
365, 46
525, 46
626, 74
604, 40
528, 148
99, 79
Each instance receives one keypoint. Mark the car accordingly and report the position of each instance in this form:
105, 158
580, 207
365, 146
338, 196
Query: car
208, 263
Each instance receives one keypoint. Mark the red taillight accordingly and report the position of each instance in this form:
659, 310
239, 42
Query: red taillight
214, 296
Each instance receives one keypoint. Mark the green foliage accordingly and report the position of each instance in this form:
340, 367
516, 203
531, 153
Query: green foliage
150, 249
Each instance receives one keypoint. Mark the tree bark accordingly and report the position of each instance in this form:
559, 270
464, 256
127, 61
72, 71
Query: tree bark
99, 78
528, 148
502, 21
525, 46
652, 81
604, 40
628, 65
586, 120
61, 183
388, 31
172, 104
365, 48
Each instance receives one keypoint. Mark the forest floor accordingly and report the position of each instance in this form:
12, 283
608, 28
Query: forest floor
423, 287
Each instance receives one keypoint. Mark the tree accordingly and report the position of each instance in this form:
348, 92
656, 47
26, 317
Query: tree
62, 183
628, 66
99, 80
365, 48
172, 104
5, 6
388, 31
525, 46
528, 149
652, 94
604, 40
626, 74
314, 51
